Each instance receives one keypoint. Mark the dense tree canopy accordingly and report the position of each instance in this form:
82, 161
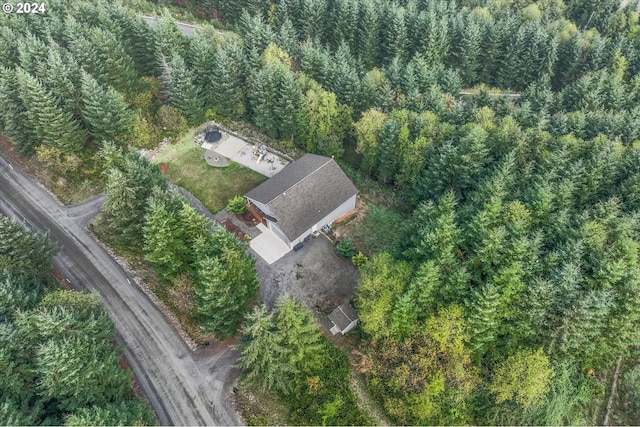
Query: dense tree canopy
521, 235
57, 356
283, 351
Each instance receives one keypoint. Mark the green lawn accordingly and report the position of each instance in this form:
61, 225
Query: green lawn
212, 186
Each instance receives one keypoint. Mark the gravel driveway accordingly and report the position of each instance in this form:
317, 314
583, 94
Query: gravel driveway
315, 276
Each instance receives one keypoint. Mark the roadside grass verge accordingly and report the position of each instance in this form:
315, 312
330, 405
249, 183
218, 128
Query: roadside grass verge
214, 187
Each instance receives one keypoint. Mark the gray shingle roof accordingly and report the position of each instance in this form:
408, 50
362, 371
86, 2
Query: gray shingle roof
343, 316
304, 192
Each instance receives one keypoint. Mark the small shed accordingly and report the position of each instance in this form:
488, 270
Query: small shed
344, 318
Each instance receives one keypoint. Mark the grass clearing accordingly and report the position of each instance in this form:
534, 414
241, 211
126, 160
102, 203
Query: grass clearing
214, 187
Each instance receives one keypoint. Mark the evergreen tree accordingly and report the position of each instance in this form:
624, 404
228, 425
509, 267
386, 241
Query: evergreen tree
262, 100
31, 51
226, 282
80, 371
256, 36
469, 36
23, 252
483, 320
263, 354
183, 92
311, 19
369, 34
404, 317
289, 102
124, 412
164, 239
432, 36
287, 38
52, 126
227, 83
8, 47
436, 237
69, 338
231, 9
411, 163
130, 180
343, 79
139, 41
276, 100
394, 34
299, 334
570, 59
19, 401
419, 300
14, 115
374, 92
344, 21
115, 67
169, 40
214, 295
201, 60
315, 62
63, 79
18, 292
194, 225
106, 114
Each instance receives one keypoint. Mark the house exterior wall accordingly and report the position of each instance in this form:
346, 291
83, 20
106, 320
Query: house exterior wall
347, 206
274, 227
264, 208
350, 327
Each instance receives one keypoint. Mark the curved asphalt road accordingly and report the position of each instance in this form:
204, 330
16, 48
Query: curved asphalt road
184, 387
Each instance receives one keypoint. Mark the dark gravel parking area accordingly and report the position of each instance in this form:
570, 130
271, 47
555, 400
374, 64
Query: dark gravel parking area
315, 276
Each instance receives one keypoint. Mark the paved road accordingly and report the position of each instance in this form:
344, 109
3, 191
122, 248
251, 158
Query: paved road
187, 29
184, 387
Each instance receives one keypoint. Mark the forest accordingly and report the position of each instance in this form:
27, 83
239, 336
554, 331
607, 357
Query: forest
58, 356
507, 133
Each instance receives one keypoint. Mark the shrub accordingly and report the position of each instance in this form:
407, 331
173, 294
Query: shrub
171, 121
359, 259
345, 248
237, 205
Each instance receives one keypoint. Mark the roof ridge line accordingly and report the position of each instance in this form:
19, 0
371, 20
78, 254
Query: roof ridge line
345, 314
298, 182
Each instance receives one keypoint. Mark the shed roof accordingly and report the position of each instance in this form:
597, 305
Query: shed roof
304, 192
343, 315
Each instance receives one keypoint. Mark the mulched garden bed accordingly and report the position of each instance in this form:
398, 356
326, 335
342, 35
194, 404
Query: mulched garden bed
233, 229
248, 219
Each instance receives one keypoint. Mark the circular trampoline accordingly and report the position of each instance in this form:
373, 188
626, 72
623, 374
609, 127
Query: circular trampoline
213, 135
